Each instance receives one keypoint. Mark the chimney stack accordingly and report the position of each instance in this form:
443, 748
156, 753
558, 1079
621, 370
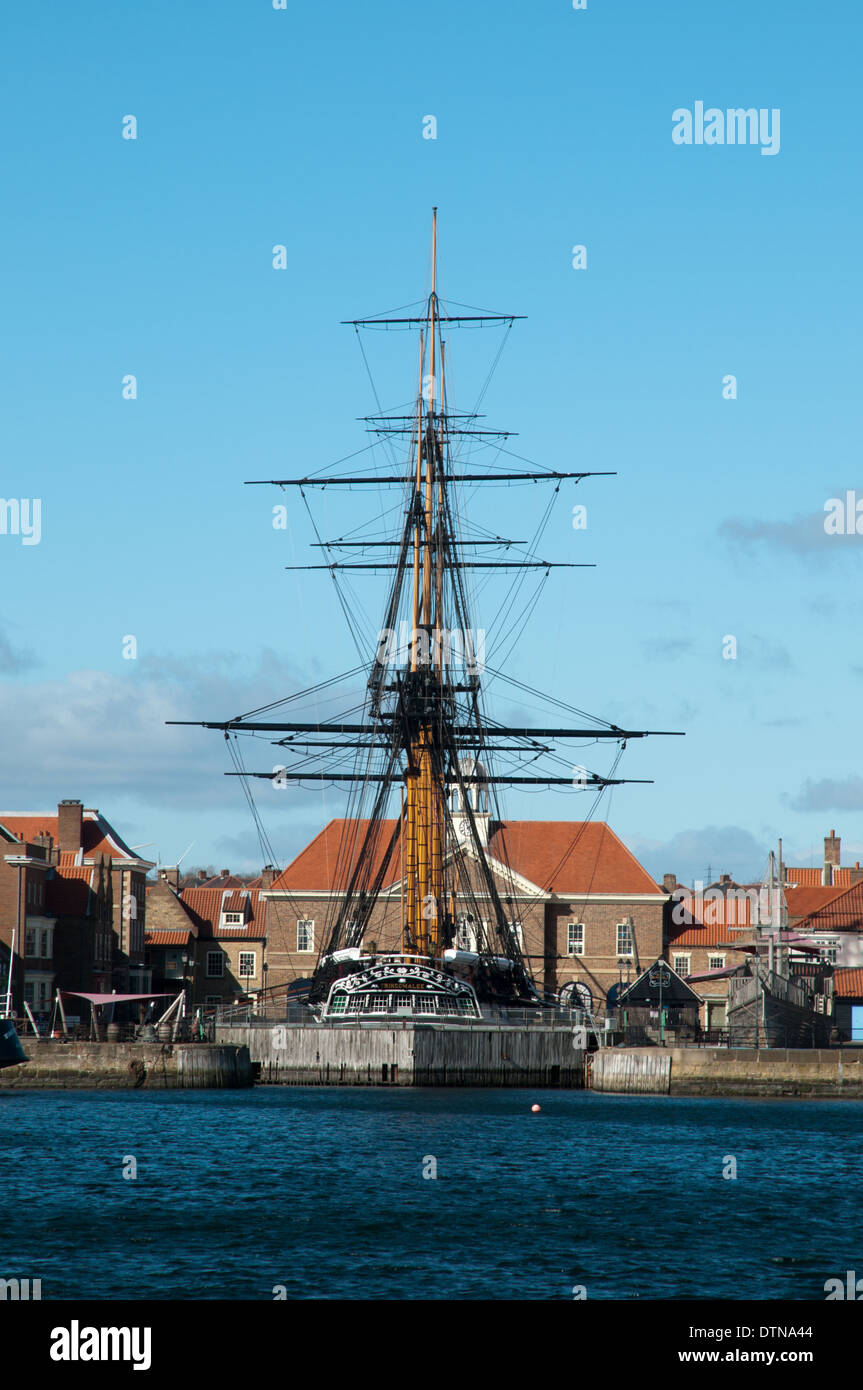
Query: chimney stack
856, 873
669, 882
724, 880
268, 875
831, 857
171, 876
70, 823
202, 875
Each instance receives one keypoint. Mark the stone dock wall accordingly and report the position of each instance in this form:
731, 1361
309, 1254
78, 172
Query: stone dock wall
413, 1055
429, 1056
719, 1071
125, 1066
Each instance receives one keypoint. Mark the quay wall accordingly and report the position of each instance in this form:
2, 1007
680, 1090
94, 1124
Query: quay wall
413, 1055
720, 1071
630, 1071
127, 1066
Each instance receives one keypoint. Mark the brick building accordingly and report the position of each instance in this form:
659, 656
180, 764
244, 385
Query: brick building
584, 909
823, 914
705, 930
825, 905
210, 941
72, 898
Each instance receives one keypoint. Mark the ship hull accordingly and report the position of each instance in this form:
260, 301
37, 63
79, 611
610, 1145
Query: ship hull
11, 1051
485, 979
775, 1013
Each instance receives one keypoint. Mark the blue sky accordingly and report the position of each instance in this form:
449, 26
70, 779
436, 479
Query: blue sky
303, 127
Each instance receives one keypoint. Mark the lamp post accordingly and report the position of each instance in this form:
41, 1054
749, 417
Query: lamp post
659, 976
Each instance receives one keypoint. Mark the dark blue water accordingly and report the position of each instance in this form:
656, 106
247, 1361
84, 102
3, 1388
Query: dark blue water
322, 1191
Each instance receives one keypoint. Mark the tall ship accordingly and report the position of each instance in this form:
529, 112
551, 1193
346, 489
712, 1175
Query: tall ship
414, 746
782, 995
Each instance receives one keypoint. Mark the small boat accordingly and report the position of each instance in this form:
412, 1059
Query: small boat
11, 1051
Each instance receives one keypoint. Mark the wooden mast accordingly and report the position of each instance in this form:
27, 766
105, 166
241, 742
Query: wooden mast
424, 898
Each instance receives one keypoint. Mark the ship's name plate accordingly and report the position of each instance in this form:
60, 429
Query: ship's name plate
394, 975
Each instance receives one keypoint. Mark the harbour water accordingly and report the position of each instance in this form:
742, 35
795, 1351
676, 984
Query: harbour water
321, 1193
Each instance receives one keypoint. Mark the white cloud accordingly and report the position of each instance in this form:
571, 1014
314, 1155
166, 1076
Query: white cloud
98, 734
723, 849
829, 794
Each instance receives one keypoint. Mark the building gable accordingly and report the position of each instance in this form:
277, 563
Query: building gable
643, 993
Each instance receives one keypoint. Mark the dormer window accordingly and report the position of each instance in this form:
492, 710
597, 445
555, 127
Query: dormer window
233, 919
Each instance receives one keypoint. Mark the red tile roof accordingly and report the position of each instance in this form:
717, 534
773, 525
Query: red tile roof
848, 984
206, 905
328, 860
168, 938
68, 858
690, 909
805, 900
812, 878
568, 857
571, 857
711, 934
98, 836
827, 909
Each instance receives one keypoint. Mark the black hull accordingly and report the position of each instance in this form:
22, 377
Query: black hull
11, 1051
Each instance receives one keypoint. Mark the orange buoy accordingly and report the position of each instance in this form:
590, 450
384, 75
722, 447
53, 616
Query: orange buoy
536, 1109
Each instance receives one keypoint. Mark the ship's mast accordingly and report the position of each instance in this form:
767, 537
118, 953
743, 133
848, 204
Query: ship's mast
423, 726
425, 807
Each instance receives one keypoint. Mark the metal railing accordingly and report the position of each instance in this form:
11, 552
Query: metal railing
302, 1016
188, 1031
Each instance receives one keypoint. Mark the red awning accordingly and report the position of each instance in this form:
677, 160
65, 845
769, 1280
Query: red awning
113, 998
